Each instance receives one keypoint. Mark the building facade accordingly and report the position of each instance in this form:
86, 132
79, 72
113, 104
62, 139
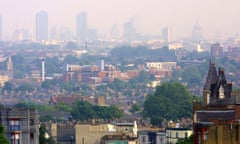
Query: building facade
42, 26
102, 133
152, 137
174, 134
21, 125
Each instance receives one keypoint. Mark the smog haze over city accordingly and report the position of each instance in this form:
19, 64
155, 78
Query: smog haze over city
120, 71
214, 16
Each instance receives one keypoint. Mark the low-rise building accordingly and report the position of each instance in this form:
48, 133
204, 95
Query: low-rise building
105, 133
174, 134
152, 137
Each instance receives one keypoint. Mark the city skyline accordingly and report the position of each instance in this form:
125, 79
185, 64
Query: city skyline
149, 17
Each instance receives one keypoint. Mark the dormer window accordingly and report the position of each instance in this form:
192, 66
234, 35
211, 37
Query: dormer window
221, 92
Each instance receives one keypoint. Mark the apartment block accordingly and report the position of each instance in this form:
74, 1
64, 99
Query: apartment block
21, 125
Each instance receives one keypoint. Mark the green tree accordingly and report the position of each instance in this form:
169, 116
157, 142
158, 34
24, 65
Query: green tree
19, 66
192, 75
25, 87
43, 137
170, 101
143, 77
8, 86
63, 107
118, 84
135, 108
3, 139
188, 140
83, 110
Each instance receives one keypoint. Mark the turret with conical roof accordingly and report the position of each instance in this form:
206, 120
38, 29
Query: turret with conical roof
216, 90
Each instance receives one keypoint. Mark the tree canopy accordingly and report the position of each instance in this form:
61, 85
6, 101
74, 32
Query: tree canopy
83, 110
170, 101
3, 139
43, 139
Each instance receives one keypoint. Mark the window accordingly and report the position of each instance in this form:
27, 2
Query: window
14, 125
186, 135
15, 138
161, 140
31, 121
143, 139
31, 136
176, 134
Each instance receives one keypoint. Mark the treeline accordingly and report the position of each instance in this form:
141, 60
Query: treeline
171, 101
127, 52
83, 110
80, 110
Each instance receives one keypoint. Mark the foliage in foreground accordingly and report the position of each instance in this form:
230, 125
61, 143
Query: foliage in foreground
43, 139
170, 101
189, 140
3, 139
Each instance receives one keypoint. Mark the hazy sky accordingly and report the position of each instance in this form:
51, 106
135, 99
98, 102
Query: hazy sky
149, 15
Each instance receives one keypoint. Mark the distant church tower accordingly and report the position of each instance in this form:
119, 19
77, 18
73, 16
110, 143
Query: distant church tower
9, 67
9, 64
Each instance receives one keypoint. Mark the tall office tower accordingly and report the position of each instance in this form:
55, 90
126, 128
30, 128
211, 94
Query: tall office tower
42, 26
129, 31
82, 26
168, 34
0, 27
197, 32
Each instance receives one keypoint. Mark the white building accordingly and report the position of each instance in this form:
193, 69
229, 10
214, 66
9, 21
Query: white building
162, 66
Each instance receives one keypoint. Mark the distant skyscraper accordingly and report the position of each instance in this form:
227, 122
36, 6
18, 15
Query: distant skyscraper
82, 26
0, 27
42, 26
9, 64
168, 34
129, 31
197, 32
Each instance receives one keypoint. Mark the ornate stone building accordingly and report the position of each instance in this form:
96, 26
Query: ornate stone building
217, 121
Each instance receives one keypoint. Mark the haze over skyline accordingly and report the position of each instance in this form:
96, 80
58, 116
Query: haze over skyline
149, 16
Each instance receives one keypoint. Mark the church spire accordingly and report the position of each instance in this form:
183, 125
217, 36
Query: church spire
9, 64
